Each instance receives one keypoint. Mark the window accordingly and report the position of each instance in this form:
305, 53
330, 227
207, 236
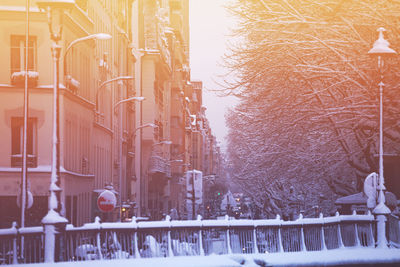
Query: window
17, 127
175, 121
18, 53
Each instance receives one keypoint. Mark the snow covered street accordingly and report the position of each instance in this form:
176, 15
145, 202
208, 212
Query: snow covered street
342, 257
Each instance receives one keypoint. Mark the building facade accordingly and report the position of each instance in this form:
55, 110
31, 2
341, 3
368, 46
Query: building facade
140, 150
88, 130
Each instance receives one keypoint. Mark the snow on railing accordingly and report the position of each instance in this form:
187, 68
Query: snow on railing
394, 230
192, 237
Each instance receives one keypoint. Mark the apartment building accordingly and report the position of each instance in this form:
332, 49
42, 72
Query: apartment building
141, 150
161, 39
91, 133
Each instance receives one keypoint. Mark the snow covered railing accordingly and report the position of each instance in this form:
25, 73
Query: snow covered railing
394, 230
21, 245
193, 237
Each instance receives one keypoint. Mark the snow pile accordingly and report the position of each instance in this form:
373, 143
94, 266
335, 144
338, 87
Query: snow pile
315, 258
21, 74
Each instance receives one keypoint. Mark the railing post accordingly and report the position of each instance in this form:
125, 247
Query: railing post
97, 221
53, 224
357, 242
280, 245
135, 239
15, 244
255, 238
339, 232
200, 239
302, 241
170, 252
228, 237
372, 244
323, 245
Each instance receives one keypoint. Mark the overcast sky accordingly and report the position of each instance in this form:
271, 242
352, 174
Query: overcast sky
209, 27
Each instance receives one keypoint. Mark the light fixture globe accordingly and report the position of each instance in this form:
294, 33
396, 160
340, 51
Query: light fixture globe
102, 36
381, 46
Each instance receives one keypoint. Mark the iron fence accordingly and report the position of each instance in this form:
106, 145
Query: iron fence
168, 238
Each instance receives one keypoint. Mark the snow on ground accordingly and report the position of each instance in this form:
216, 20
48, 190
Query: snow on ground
347, 256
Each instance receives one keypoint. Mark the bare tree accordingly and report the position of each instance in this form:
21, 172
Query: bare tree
308, 114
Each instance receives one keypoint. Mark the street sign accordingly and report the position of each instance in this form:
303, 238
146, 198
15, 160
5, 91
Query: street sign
29, 200
370, 187
106, 201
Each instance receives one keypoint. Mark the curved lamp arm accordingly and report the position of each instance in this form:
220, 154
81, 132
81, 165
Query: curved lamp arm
135, 98
121, 78
97, 36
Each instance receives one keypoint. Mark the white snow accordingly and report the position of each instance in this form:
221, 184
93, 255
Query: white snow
316, 258
45, 168
19, 8
53, 217
19, 74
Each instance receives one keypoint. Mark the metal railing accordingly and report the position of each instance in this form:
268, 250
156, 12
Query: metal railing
194, 237
394, 230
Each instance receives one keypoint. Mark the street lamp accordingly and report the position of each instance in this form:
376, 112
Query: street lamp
139, 171
381, 49
165, 142
102, 86
55, 13
96, 36
152, 125
135, 98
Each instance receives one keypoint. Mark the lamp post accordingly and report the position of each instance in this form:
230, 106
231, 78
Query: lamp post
55, 12
381, 49
135, 98
141, 182
96, 36
99, 90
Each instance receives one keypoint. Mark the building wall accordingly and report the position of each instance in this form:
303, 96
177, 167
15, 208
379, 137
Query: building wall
89, 139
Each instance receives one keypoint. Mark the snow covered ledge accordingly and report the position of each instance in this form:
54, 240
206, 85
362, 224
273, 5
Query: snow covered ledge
18, 78
342, 257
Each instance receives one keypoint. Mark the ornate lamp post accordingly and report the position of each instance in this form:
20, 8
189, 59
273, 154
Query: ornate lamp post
135, 98
381, 49
55, 12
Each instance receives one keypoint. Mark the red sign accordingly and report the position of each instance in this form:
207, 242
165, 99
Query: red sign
106, 201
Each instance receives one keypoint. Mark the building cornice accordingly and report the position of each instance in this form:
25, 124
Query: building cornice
44, 169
